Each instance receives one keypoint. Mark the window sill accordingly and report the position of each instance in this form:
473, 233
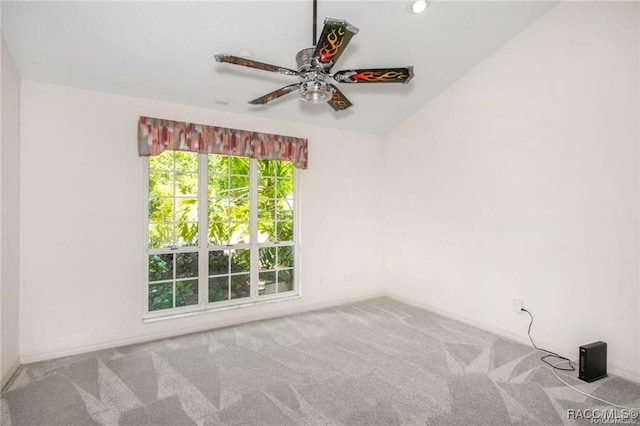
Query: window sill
213, 309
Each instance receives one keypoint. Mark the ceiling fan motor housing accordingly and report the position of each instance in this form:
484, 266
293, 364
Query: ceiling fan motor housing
313, 88
303, 59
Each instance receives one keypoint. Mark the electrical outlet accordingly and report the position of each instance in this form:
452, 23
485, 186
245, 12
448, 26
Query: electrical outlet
517, 305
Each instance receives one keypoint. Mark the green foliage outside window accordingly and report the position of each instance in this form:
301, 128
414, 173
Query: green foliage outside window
173, 273
173, 222
173, 199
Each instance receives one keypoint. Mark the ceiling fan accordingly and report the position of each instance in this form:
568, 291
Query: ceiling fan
314, 67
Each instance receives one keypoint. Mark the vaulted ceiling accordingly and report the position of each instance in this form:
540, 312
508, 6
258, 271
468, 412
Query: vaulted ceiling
164, 50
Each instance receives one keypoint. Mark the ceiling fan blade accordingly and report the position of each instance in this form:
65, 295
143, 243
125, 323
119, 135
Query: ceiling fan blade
375, 75
335, 36
338, 101
275, 94
230, 59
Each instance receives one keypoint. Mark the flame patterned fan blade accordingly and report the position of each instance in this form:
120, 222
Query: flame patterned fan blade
335, 36
314, 68
338, 101
375, 75
236, 60
275, 94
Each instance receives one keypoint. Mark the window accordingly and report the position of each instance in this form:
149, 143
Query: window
221, 232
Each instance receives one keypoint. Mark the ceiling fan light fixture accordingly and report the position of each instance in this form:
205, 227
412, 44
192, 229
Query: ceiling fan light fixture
316, 97
315, 92
418, 6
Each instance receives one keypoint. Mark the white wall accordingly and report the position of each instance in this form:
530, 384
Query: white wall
521, 180
9, 223
82, 227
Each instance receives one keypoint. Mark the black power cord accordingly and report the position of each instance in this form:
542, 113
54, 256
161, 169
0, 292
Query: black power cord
571, 368
549, 353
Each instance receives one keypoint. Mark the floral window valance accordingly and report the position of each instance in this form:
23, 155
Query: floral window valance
157, 135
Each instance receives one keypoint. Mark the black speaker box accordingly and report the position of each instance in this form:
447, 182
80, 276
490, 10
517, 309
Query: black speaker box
593, 361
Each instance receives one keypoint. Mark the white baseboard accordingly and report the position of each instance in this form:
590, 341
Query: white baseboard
27, 359
626, 374
96, 346
7, 377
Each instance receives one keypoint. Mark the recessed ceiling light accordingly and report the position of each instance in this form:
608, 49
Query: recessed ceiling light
418, 6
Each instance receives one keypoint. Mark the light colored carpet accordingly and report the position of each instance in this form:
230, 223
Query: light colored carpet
376, 362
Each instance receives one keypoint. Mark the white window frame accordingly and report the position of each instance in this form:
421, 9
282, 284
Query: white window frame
203, 248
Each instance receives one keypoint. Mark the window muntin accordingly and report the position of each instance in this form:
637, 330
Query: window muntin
173, 280
229, 274
275, 227
275, 201
229, 193
173, 200
248, 251
276, 269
